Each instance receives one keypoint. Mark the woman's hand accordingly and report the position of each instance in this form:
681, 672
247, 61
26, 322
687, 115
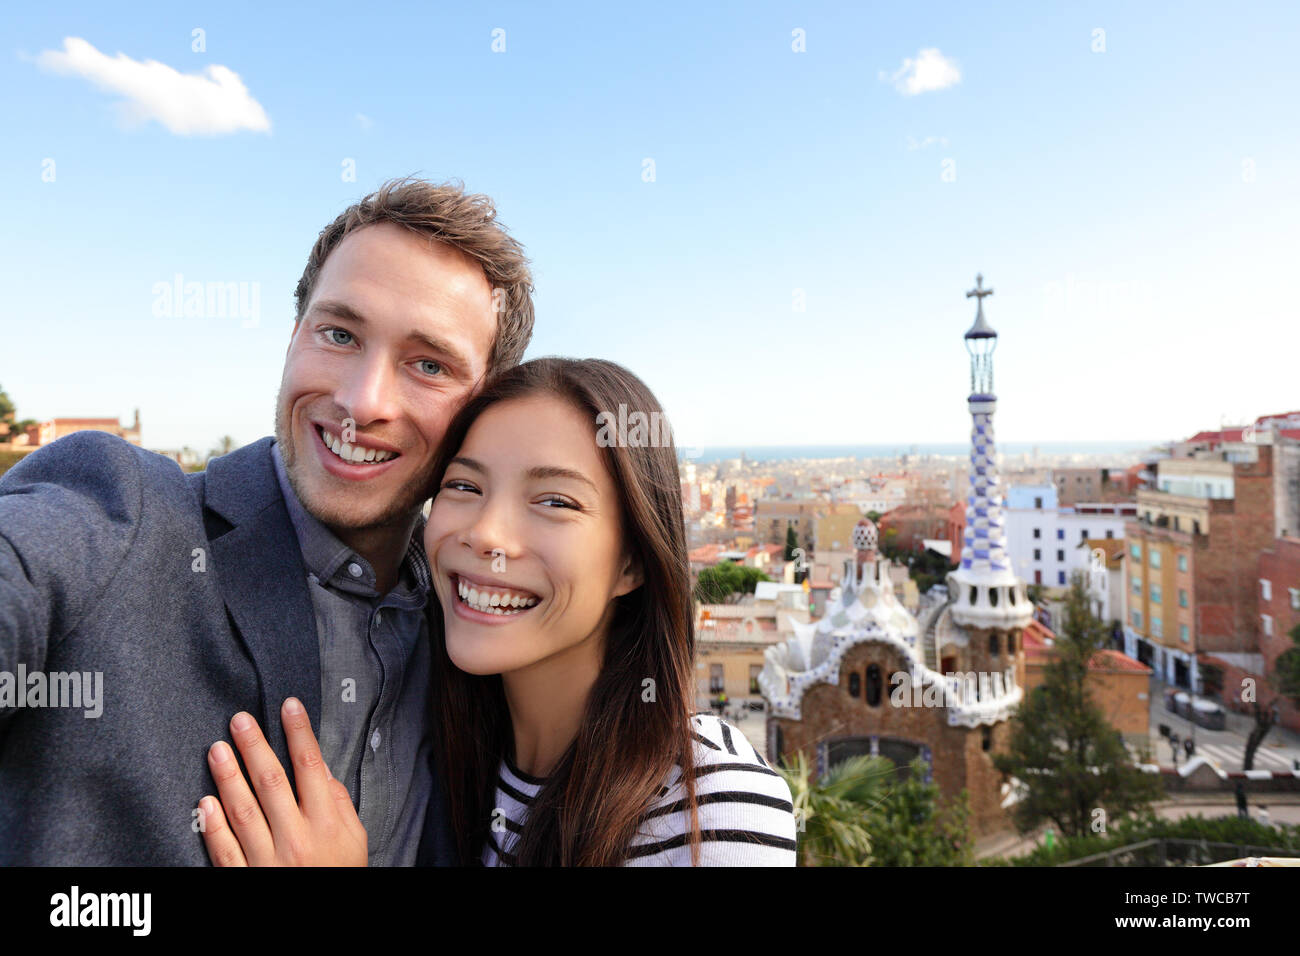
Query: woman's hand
321, 828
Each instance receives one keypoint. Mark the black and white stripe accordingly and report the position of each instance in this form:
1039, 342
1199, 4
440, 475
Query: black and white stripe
745, 812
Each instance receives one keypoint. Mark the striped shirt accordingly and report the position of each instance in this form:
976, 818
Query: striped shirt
746, 816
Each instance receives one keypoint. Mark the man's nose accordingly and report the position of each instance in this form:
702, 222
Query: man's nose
369, 391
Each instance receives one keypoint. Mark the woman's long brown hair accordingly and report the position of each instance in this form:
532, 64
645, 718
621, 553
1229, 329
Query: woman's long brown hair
627, 745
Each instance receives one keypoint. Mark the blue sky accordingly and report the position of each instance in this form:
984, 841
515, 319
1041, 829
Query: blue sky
1135, 210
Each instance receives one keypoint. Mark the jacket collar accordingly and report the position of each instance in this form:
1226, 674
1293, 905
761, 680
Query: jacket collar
260, 571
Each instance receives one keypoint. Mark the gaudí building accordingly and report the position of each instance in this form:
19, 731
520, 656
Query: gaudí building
869, 678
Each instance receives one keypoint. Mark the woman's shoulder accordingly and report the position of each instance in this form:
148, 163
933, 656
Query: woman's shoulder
745, 811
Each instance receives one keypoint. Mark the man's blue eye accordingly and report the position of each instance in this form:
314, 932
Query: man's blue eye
430, 367
336, 332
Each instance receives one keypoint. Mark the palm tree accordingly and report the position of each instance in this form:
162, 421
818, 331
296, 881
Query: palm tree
225, 445
832, 813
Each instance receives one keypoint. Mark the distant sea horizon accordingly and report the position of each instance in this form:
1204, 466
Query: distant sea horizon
758, 453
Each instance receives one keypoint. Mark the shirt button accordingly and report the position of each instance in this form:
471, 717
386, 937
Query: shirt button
379, 618
374, 740
354, 569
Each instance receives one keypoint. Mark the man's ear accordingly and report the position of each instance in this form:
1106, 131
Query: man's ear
631, 578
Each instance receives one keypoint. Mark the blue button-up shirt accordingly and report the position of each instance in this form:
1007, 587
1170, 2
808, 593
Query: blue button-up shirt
375, 732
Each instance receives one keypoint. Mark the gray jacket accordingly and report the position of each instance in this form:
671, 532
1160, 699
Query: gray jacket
187, 594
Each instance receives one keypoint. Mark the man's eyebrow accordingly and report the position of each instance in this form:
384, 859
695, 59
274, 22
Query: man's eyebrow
344, 311
537, 472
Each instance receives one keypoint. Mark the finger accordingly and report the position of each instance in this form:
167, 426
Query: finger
223, 846
268, 779
309, 772
240, 806
342, 801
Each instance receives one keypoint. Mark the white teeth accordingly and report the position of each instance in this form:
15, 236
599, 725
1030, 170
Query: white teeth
493, 602
355, 454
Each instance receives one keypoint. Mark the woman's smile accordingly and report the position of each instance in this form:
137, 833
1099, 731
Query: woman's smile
490, 602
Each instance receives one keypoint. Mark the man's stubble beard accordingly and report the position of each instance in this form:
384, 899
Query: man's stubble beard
405, 504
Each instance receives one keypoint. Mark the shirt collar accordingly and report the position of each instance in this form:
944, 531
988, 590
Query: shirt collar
334, 563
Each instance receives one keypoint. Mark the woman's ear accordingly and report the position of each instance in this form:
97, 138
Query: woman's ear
631, 577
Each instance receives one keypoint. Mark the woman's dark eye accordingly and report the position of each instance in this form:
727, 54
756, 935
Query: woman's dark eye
457, 485
557, 501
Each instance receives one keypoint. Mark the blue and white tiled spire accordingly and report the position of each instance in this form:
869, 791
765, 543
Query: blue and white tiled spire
988, 593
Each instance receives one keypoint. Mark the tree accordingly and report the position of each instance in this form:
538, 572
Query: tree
225, 445
873, 517
791, 542
1071, 761
6, 407
1285, 681
913, 827
717, 585
832, 814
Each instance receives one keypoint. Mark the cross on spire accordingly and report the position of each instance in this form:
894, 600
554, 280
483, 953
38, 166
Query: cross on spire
979, 292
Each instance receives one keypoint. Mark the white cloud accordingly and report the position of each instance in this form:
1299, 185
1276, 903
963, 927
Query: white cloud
365, 121
931, 70
209, 103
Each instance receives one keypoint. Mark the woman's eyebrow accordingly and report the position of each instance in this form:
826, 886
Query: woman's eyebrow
536, 473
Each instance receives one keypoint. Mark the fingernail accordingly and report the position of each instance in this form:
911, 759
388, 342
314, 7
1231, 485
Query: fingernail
208, 806
241, 721
219, 752
291, 706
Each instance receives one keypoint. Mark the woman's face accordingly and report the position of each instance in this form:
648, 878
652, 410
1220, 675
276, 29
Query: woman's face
525, 540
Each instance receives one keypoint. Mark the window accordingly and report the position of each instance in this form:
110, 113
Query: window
986, 737
1060, 577
1182, 562
1137, 619
1155, 594
1136, 551
1038, 533
1083, 535
1295, 598
1038, 577
1267, 622
855, 684
993, 643
1182, 633
754, 671
1155, 558
715, 678
1038, 554
1060, 534
1182, 597
1060, 555
1110, 534
1038, 502
1157, 627
1266, 589
1011, 643
873, 685
1137, 585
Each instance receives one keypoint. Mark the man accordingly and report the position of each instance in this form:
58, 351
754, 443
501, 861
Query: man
291, 567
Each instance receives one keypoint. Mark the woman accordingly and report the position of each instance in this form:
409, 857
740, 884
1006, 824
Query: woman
565, 659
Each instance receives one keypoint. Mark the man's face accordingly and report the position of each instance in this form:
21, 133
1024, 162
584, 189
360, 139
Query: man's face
394, 340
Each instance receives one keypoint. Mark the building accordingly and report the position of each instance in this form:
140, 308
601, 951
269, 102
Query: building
56, 428
1192, 555
871, 678
731, 639
913, 524
1100, 561
772, 516
1119, 685
1042, 535
833, 527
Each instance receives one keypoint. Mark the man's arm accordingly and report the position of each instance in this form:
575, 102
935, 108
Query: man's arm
69, 513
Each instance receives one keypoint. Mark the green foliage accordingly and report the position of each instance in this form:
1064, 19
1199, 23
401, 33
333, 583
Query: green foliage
10, 458
1070, 759
716, 584
873, 517
791, 542
861, 814
912, 827
6, 407
1147, 826
832, 814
